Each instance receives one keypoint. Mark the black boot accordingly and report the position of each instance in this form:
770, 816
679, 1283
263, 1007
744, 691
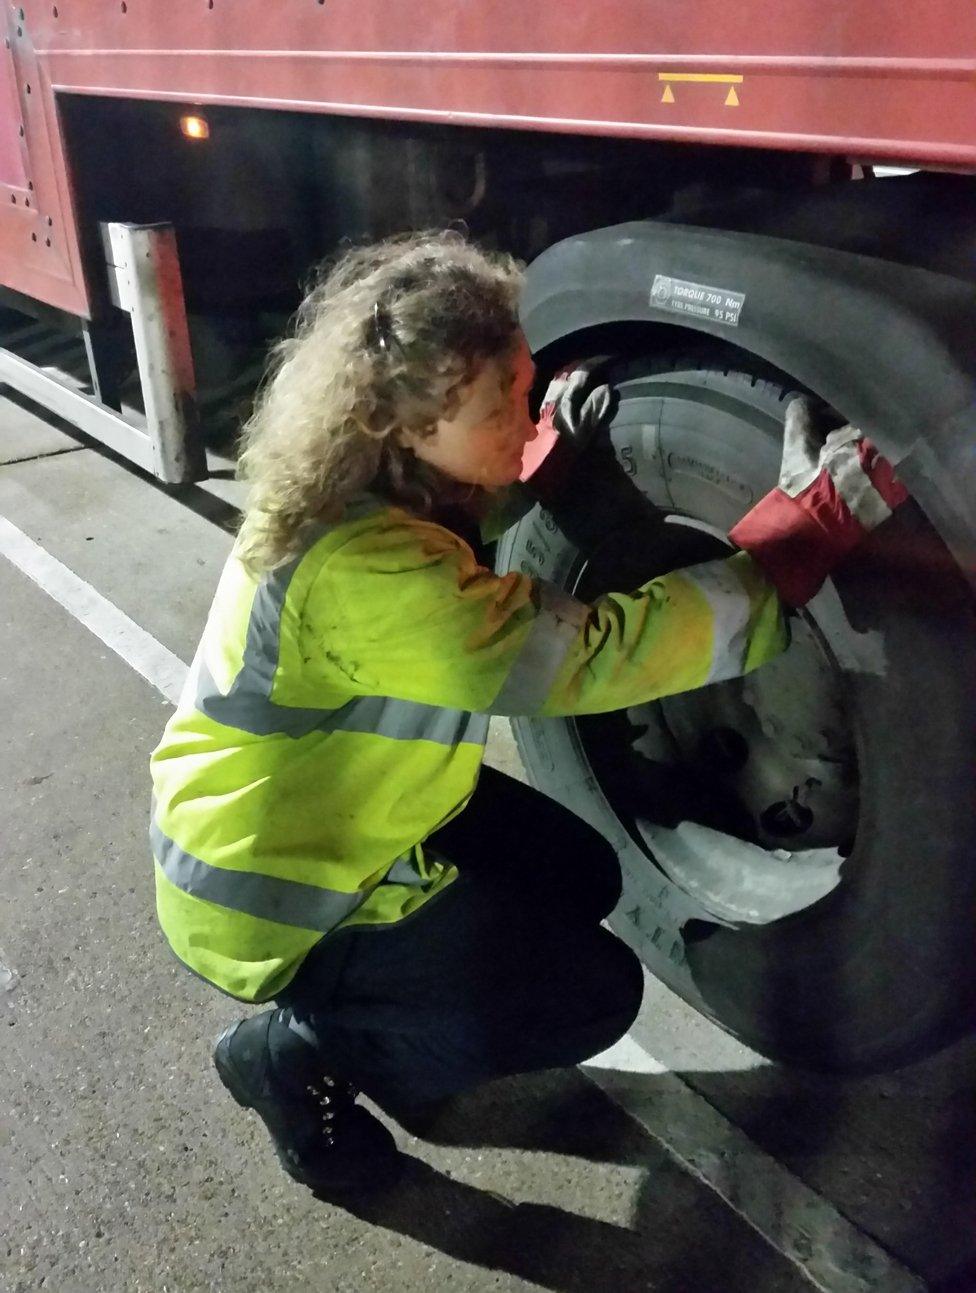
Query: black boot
321, 1136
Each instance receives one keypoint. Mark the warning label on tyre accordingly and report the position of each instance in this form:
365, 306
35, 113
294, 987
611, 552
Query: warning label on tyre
681, 297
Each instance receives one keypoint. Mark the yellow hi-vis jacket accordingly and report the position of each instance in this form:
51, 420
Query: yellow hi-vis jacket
336, 712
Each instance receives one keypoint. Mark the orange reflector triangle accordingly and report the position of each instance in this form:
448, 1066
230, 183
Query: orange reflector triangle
668, 95
733, 100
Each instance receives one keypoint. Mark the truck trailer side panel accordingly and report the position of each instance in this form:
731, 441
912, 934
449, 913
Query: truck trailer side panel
863, 80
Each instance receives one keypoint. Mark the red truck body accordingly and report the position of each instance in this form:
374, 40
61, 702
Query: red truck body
862, 80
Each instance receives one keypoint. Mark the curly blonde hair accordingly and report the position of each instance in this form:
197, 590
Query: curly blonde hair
383, 342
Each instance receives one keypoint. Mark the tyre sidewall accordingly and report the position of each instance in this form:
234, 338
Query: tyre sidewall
883, 966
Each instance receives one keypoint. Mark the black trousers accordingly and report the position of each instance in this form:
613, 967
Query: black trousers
506, 971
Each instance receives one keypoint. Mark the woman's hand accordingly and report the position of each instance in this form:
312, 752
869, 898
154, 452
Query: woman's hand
577, 404
834, 489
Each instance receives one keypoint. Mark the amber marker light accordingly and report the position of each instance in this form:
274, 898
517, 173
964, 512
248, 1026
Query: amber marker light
195, 127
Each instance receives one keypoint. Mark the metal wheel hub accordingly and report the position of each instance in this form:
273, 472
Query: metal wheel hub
779, 741
777, 746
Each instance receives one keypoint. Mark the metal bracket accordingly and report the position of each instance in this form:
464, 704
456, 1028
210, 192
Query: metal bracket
145, 281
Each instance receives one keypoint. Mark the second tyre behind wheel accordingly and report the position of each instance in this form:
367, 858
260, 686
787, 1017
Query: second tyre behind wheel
797, 846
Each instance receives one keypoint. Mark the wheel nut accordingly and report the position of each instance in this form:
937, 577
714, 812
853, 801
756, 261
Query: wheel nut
787, 818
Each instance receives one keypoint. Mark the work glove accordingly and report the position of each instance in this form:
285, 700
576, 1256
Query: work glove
834, 489
577, 404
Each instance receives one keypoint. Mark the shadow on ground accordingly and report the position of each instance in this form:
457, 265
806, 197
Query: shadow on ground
680, 1237
915, 1200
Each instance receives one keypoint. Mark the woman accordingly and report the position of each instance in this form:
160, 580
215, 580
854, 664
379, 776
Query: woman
325, 836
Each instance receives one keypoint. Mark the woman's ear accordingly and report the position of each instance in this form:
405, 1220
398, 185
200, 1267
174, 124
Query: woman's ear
406, 439
415, 441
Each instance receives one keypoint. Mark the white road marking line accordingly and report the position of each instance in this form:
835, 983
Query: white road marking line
136, 647
831, 1252
799, 1223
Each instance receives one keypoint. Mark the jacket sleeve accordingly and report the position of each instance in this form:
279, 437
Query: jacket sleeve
415, 617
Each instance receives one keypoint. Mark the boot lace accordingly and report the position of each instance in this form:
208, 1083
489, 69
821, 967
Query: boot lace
330, 1097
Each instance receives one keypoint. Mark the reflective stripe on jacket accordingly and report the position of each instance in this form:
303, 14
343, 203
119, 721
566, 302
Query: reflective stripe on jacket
336, 712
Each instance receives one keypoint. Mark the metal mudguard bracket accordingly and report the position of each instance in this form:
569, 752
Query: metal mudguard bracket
144, 281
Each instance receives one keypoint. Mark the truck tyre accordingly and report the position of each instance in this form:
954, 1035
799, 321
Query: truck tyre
797, 847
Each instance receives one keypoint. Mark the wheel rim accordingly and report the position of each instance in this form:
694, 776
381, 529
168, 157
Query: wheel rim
744, 793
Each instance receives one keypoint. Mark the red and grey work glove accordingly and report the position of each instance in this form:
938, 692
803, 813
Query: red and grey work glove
577, 403
833, 490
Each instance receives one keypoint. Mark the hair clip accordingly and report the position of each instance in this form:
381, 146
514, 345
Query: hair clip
382, 328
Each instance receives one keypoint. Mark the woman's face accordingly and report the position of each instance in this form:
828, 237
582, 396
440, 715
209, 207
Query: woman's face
482, 444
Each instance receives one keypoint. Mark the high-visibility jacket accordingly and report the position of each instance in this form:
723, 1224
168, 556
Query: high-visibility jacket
336, 712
